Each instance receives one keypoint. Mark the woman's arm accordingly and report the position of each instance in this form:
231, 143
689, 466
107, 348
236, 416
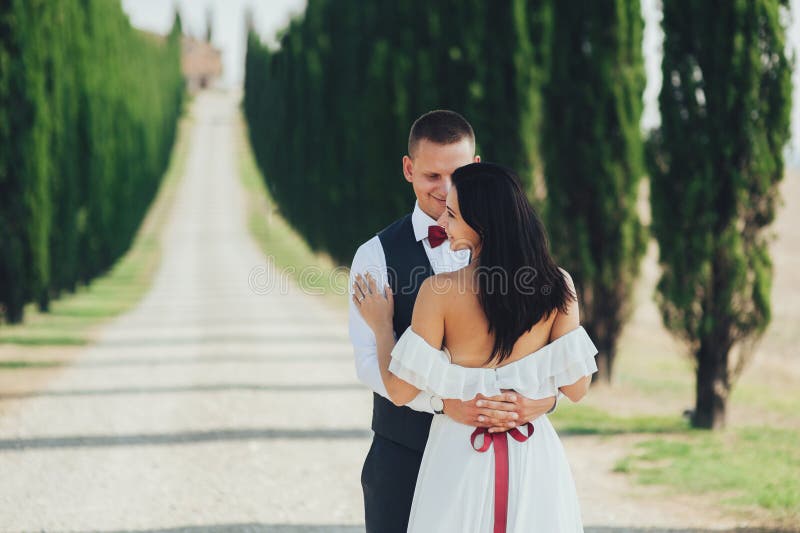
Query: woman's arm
400, 392
563, 324
377, 311
427, 321
577, 390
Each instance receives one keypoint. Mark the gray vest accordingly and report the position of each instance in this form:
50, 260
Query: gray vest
407, 266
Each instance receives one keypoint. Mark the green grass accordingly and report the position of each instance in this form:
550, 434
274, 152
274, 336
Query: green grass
769, 398
748, 467
14, 365
72, 317
577, 419
46, 338
279, 241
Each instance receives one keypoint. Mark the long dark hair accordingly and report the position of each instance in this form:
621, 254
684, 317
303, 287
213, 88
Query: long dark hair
514, 251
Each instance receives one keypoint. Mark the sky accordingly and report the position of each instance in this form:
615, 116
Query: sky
270, 16
228, 31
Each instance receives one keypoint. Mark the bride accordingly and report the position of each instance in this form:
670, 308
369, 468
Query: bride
508, 320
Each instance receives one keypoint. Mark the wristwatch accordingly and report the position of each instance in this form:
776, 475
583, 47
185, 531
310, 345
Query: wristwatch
437, 404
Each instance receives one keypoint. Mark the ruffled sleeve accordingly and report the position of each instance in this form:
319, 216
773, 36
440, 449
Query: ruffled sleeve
561, 362
537, 375
429, 369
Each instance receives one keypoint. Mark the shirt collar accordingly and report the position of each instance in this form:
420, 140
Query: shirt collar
420, 220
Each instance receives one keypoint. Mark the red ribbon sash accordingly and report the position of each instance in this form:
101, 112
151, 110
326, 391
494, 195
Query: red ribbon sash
500, 468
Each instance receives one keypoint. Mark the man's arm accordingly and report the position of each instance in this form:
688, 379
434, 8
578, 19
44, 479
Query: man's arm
369, 258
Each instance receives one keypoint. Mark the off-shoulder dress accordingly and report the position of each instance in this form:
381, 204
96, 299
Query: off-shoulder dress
460, 484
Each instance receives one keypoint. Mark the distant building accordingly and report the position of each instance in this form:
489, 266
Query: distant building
201, 63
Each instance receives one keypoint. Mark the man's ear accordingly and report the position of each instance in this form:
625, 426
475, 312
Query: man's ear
477, 159
408, 168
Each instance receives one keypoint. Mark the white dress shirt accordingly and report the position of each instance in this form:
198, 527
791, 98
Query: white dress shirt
371, 258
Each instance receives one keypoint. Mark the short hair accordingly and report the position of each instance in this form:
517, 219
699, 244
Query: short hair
441, 127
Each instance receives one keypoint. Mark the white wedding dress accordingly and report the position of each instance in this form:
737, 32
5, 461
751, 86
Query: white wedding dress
455, 491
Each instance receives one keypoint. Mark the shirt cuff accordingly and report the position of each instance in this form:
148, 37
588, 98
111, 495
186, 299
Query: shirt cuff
422, 402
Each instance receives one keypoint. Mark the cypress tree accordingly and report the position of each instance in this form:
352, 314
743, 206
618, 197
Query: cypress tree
26, 166
715, 163
13, 108
592, 152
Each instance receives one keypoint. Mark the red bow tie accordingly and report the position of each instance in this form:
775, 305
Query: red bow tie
436, 235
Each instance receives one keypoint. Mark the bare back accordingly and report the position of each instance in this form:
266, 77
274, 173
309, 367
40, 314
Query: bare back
466, 334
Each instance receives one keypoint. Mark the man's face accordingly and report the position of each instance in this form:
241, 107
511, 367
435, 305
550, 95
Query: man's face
431, 169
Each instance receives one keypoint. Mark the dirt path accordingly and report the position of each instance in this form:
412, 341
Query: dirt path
208, 404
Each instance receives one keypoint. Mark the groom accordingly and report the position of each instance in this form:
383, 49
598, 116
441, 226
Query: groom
403, 255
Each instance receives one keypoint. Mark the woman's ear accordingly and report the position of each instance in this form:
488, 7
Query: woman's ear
477, 159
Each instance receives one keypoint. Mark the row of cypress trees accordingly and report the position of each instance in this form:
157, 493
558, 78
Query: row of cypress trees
329, 112
88, 115
554, 90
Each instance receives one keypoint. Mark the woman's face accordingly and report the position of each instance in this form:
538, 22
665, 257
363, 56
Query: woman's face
459, 233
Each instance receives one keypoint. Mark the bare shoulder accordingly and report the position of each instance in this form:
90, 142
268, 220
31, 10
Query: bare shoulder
437, 292
569, 320
435, 288
568, 279
427, 320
